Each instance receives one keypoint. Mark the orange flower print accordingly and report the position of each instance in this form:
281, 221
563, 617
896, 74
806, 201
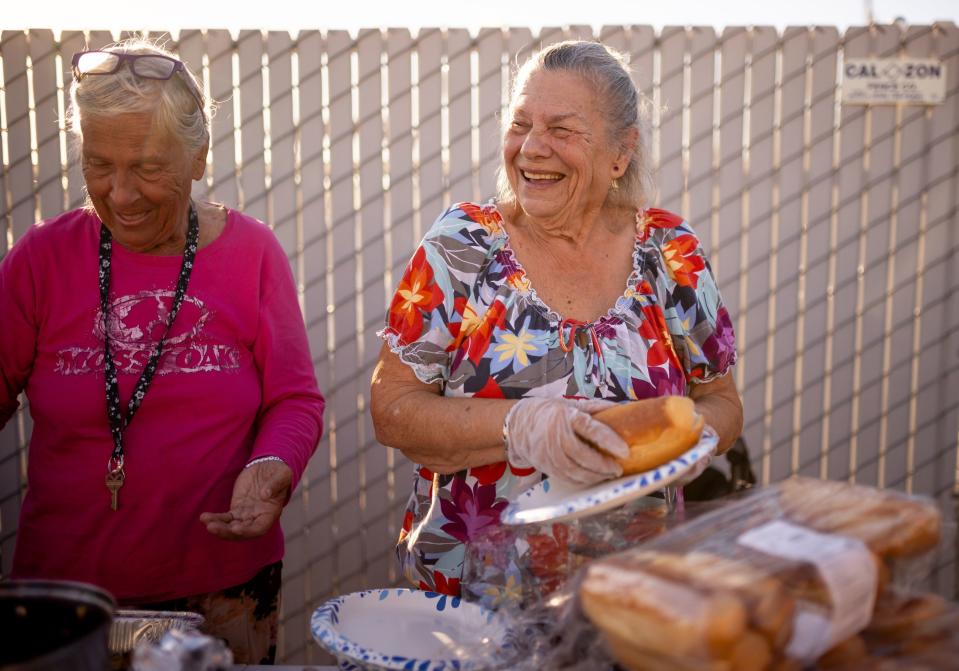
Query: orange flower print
682, 261
416, 295
407, 526
656, 218
469, 320
487, 217
653, 329
477, 342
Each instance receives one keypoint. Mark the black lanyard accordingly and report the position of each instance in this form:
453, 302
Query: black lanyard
117, 422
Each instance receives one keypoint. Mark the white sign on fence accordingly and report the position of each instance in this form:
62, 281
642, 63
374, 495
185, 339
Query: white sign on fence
916, 81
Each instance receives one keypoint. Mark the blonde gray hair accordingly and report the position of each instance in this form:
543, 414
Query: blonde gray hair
174, 101
607, 71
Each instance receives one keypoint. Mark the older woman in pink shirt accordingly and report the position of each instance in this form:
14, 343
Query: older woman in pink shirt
164, 356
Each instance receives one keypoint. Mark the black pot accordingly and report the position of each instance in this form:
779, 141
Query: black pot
49, 625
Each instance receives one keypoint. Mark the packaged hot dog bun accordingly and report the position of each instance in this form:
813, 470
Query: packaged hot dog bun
693, 611
890, 524
657, 430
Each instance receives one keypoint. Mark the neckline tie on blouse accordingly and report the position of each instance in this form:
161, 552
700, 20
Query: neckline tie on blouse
583, 334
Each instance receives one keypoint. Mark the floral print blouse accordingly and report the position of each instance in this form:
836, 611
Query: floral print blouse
465, 316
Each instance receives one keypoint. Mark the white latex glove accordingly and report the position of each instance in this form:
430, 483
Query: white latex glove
556, 436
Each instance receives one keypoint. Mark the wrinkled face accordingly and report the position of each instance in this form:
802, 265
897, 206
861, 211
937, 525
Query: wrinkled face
138, 178
556, 150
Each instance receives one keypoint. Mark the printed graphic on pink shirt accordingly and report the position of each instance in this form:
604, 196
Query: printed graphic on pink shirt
136, 325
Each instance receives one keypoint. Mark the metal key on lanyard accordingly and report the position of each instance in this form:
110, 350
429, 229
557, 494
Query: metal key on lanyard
115, 478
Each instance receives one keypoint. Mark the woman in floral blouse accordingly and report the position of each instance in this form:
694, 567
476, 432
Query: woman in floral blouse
518, 319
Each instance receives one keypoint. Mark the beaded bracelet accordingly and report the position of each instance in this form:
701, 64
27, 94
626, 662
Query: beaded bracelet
260, 460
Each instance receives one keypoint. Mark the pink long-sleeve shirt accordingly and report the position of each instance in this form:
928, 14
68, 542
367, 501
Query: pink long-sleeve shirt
235, 382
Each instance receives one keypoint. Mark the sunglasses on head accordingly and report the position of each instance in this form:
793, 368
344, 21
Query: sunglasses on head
147, 66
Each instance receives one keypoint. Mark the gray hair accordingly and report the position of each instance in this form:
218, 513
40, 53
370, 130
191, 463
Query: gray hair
607, 71
174, 101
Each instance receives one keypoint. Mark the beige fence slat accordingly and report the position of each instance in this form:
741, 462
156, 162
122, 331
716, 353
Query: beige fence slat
280, 150
22, 208
284, 208
223, 143
517, 46
547, 35
368, 232
727, 256
761, 235
457, 117
44, 55
403, 227
872, 245
248, 62
313, 533
698, 102
342, 387
308, 523
854, 153
70, 43
669, 128
791, 157
641, 47
901, 281
493, 77
818, 117
430, 52
6, 191
314, 187
191, 47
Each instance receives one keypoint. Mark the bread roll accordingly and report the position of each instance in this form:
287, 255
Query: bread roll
769, 606
889, 523
661, 616
657, 430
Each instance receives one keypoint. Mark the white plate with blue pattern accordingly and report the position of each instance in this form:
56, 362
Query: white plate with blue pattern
555, 501
409, 629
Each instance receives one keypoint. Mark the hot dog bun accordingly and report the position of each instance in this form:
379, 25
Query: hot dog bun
657, 430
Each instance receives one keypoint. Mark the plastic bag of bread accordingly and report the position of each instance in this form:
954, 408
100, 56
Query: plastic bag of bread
771, 581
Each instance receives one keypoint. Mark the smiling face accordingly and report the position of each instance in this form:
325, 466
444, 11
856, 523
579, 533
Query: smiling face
556, 151
139, 180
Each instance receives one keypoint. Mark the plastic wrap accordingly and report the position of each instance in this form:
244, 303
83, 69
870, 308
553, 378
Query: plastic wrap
530, 575
519, 567
182, 650
773, 581
803, 575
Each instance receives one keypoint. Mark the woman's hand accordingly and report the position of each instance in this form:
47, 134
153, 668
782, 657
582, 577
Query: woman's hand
556, 436
259, 494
